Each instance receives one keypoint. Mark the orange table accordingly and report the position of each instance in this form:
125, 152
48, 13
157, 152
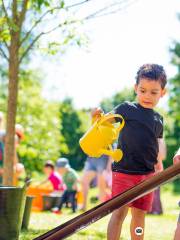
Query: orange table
38, 192
37, 204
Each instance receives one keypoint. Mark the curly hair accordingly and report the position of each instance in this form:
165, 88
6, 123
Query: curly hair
152, 72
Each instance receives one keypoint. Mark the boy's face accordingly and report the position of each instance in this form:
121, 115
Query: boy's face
149, 92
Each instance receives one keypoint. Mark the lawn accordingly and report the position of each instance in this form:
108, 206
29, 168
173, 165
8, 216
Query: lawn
157, 227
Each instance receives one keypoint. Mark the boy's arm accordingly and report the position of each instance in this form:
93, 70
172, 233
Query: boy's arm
77, 181
161, 155
162, 150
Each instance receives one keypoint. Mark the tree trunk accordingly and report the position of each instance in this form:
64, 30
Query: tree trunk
11, 109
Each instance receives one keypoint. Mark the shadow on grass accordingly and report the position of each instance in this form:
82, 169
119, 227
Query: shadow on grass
32, 233
91, 234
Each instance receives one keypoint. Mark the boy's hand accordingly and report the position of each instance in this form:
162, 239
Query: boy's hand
159, 167
96, 113
176, 159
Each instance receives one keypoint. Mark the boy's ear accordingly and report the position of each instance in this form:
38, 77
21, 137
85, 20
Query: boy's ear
163, 92
135, 88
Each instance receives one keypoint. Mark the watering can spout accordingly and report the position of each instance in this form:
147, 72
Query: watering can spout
98, 139
115, 154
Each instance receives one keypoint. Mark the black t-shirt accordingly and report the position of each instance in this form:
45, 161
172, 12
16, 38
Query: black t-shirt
138, 139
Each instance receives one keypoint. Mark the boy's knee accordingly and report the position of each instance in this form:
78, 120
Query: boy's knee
120, 214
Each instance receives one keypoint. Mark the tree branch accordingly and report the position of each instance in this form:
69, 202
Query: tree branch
45, 14
4, 54
99, 11
95, 15
77, 4
68, 7
30, 46
44, 33
36, 23
6, 14
60, 25
14, 10
23, 12
5, 43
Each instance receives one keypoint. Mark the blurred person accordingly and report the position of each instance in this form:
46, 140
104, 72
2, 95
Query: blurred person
19, 169
94, 167
19, 135
53, 177
71, 179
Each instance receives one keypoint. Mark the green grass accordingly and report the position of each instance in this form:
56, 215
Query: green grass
157, 227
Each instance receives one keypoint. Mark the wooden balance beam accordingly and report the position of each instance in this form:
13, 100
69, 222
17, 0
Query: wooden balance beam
83, 220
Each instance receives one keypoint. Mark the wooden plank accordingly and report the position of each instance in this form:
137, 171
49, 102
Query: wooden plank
83, 220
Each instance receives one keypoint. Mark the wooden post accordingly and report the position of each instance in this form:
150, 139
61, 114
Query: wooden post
96, 213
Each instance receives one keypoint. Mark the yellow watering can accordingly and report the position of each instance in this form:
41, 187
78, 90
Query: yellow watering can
98, 139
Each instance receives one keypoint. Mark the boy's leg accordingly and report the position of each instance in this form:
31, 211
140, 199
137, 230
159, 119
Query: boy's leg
177, 232
101, 187
137, 224
86, 180
115, 223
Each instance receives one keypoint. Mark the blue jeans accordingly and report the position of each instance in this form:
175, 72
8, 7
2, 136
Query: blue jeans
69, 196
96, 164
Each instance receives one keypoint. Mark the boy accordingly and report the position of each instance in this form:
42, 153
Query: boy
139, 141
176, 160
53, 177
71, 180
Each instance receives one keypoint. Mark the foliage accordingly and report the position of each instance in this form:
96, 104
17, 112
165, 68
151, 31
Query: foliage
74, 123
40, 120
62, 20
173, 135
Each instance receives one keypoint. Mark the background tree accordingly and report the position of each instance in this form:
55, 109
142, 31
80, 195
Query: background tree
22, 24
40, 119
73, 125
173, 135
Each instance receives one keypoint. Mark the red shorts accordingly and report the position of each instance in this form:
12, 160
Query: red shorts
122, 182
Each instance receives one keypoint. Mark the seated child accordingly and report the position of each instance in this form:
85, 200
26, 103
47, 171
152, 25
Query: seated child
53, 177
71, 179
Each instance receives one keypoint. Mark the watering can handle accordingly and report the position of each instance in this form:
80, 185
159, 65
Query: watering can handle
111, 116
